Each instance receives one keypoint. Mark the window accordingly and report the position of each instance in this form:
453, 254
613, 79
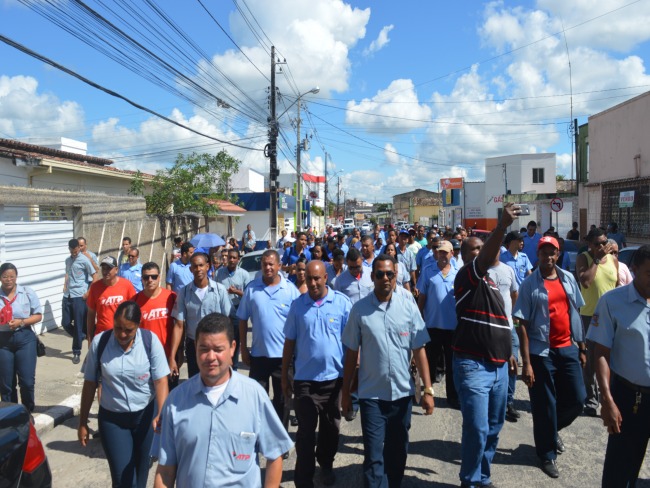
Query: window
538, 175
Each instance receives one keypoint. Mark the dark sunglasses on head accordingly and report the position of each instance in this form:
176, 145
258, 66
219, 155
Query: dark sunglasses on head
150, 277
381, 274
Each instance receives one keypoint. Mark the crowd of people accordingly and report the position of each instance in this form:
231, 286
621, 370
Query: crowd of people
340, 326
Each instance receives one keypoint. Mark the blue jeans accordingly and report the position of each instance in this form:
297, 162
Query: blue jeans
482, 390
385, 426
74, 310
512, 379
18, 357
556, 398
126, 439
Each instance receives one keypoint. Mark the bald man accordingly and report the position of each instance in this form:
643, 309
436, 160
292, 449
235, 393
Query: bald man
313, 336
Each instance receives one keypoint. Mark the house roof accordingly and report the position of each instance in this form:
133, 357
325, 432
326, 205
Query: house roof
227, 208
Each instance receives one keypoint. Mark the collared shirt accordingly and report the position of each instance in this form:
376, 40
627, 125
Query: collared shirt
317, 329
26, 303
331, 273
191, 309
239, 278
127, 376
267, 307
219, 445
133, 274
179, 275
530, 247
520, 264
291, 256
354, 288
423, 254
621, 323
532, 306
79, 271
387, 332
248, 240
93, 256
440, 305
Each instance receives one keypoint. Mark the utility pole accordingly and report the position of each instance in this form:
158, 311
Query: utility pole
298, 174
271, 152
338, 200
326, 209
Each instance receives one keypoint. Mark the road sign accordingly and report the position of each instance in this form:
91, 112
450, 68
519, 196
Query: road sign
557, 204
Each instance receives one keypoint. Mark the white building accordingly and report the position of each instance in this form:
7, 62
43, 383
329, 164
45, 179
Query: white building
247, 180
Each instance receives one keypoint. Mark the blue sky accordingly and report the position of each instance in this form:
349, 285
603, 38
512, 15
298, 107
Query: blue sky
410, 91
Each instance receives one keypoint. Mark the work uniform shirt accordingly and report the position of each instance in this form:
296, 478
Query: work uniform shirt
190, 308
530, 247
79, 271
440, 304
219, 445
133, 274
291, 256
621, 323
331, 273
26, 304
104, 300
179, 275
354, 288
520, 264
239, 278
267, 307
157, 315
316, 327
127, 376
387, 332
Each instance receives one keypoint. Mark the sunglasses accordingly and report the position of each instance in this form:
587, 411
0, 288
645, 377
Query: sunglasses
381, 274
149, 277
133, 256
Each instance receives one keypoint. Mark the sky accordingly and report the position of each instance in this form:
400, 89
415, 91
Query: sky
409, 92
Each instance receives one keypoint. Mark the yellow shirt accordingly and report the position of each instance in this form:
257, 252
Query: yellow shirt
605, 280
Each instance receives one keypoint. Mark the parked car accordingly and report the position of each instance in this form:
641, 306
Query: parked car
365, 227
252, 262
625, 255
23, 463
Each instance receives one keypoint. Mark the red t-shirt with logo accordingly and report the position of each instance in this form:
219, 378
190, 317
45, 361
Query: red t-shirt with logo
558, 309
157, 315
104, 300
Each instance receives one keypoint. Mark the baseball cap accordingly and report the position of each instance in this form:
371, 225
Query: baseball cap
109, 261
548, 240
404, 231
445, 246
455, 243
411, 230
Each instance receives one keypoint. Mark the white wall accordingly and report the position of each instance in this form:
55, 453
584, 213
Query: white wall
247, 181
475, 200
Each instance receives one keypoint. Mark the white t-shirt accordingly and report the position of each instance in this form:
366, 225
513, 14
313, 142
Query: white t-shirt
214, 393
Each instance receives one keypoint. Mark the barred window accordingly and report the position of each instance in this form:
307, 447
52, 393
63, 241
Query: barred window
633, 221
538, 175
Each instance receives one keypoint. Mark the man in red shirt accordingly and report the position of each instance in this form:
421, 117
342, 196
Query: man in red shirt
104, 296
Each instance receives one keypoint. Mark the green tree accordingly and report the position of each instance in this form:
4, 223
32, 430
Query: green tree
318, 211
383, 207
190, 184
559, 177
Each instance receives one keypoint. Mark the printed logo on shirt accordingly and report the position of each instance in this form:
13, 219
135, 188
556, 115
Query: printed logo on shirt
143, 377
404, 334
155, 314
111, 300
594, 320
241, 457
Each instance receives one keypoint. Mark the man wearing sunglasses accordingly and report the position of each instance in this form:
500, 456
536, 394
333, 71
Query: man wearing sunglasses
132, 269
390, 327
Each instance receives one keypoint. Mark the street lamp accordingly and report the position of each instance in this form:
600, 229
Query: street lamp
299, 146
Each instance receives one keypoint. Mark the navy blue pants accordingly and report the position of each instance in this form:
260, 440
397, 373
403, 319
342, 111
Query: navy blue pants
385, 426
73, 320
18, 358
126, 439
190, 357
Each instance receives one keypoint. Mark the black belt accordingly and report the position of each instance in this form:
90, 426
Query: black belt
632, 386
474, 357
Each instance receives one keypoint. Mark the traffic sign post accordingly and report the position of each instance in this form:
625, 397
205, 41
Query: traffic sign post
557, 204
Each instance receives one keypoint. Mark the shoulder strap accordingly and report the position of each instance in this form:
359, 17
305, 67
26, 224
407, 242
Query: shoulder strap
103, 341
146, 340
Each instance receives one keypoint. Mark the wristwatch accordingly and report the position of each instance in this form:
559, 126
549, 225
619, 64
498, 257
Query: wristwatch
428, 391
583, 351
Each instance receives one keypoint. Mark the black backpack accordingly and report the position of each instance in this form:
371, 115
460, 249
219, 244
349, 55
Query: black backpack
103, 341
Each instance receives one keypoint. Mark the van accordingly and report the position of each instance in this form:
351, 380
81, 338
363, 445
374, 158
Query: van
348, 222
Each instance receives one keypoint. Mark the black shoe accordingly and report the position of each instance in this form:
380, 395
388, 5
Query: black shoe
327, 476
590, 412
294, 421
512, 415
549, 467
76, 359
285, 456
560, 445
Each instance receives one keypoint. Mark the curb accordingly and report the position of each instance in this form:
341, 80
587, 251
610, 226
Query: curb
68, 408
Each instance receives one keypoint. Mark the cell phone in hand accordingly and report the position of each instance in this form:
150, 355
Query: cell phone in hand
524, 209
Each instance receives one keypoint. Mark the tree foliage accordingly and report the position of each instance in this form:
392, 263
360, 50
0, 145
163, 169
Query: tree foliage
383, 207
190, 184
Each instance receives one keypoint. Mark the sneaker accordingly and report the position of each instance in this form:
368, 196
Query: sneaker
549, 466
512, 415
327, 476
560, 445
76, 359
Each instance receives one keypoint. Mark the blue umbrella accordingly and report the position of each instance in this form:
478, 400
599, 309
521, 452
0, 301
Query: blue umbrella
207, 240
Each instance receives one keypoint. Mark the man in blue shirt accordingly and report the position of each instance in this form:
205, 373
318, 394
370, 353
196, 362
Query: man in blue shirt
216, 424
248, 239
355, 282
514, 258
83, 248
313, 336
531, 238
132, 269
179, 273
620, 334
389, 326
266, 302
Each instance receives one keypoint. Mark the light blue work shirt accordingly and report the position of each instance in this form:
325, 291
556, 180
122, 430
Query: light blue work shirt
423, 254
430, 266
239, 278
355, 288
179, 275
127, 376
267, 307
530, 247
26, 303
386, 332
621, 322
93, 256
344, 248
403, 276
291, 256
317, 328
79, 271
407, 258
191, 309
219, 445
440, 305
133, 274
521, 265
532, 306
331, 273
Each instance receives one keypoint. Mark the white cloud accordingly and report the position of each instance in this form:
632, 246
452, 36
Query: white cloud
390, 153
395, 109
380, 42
